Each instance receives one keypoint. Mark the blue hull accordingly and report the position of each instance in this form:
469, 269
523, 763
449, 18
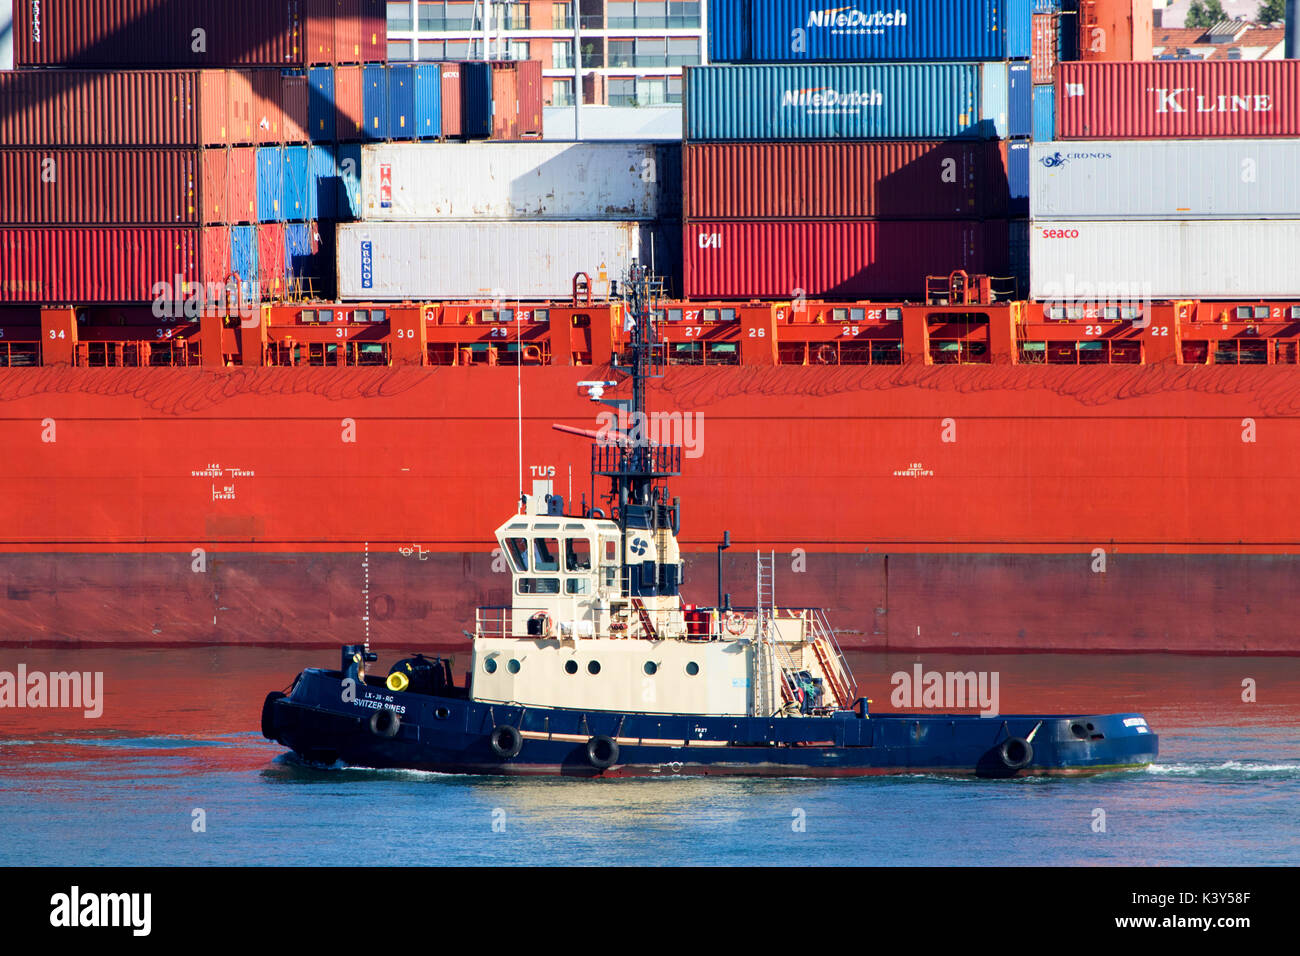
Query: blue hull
451, 734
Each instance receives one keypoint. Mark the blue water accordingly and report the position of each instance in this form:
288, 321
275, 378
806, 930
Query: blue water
1226, 791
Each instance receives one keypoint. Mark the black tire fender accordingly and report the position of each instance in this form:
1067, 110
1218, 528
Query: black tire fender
385, 722
602, 751
505, 741
268, 728
1016, 753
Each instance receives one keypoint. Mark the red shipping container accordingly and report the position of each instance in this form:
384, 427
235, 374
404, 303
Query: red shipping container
244, 112
860, 259
270, 259
319, 31
347, 32
885, 180
1115, 30
452, 126
294, 93
1046, 39
530, 97
139, 187
374, 30
348, 103
93, 265
216, 255
214, 108
1178, 99
241, 185
505, 100
90, 108
268, 88
216, 174
157, 33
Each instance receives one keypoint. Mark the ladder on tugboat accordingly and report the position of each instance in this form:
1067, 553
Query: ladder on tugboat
769, 655
830, 658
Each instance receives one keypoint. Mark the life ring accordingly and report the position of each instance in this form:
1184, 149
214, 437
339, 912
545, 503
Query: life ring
506, 741
736, 623
602, 751
546, 627
385, 722
1016, 753
268, 726
826, 355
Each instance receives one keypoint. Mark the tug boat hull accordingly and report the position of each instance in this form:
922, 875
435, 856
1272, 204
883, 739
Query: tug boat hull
451, 734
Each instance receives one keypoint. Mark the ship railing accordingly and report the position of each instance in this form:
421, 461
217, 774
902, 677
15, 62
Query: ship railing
824, 634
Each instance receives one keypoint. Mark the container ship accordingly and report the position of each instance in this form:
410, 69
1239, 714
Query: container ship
992, 345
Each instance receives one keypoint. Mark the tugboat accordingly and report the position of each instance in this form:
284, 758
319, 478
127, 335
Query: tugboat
599, 668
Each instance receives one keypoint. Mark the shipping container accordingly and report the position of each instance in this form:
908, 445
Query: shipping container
452, 111
349, 171
505, 100
271, 246
1046, 46
885, 180
294, 201
514, 260
215, 177
127, 187
268, 89
215, 108
764, 31
858, 259
401, 101
374, 30
87, 108
530, 97
322, 183
1016, 154
241, 184
296, 97
322, 115
1044, 113
559, 181
90, 265
349, 101
270, 184
243, 261
1184, 99
428, 101
157, 33
1115, 30
216, 256
348, 32
475, 100
889, 101
1106, 261
1168, 179
374, 101
302, 257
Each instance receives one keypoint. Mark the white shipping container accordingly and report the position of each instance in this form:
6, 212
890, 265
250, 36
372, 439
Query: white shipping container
1166, 179
1103, 261
532, 180
510, 260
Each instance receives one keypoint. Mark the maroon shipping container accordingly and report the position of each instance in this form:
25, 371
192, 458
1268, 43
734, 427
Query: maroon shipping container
374, 30
1178, 99
840, 260
94, 264
349, 105
141, 187
158, 33
268, 92
885, 180
270, 259
530, 97
294, 96
505, 99
319, 31
452, 125
241, 185
90, 108
1045, 39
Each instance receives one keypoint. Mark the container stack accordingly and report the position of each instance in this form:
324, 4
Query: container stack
510, 221
1170, 180
851, 153
149, 145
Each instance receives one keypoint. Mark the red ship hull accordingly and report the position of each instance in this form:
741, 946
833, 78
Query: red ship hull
993, 508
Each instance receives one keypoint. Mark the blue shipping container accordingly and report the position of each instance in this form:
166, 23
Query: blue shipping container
299, 260
401, 101
428, 102
852, 101
1044, 114
1018, 178
320, 103
322, 184
475, 100
812, 31
294, 199
270, 184
1020, 100
243, 260
348, 164
374, 101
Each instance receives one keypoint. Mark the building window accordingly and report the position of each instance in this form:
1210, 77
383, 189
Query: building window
519, 50
432, 50
399, 15
517, 16
399, 50
561, 16
622, 91
562, 54
561, 93
683, 51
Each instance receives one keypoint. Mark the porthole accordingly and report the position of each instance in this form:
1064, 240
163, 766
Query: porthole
512, 666
442, 713
650, 668
490, 665
570, 667
692, 668
593, 667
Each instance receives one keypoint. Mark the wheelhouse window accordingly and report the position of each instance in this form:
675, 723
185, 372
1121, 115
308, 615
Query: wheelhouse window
577, 554
539, 585
546, 554
517, 548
